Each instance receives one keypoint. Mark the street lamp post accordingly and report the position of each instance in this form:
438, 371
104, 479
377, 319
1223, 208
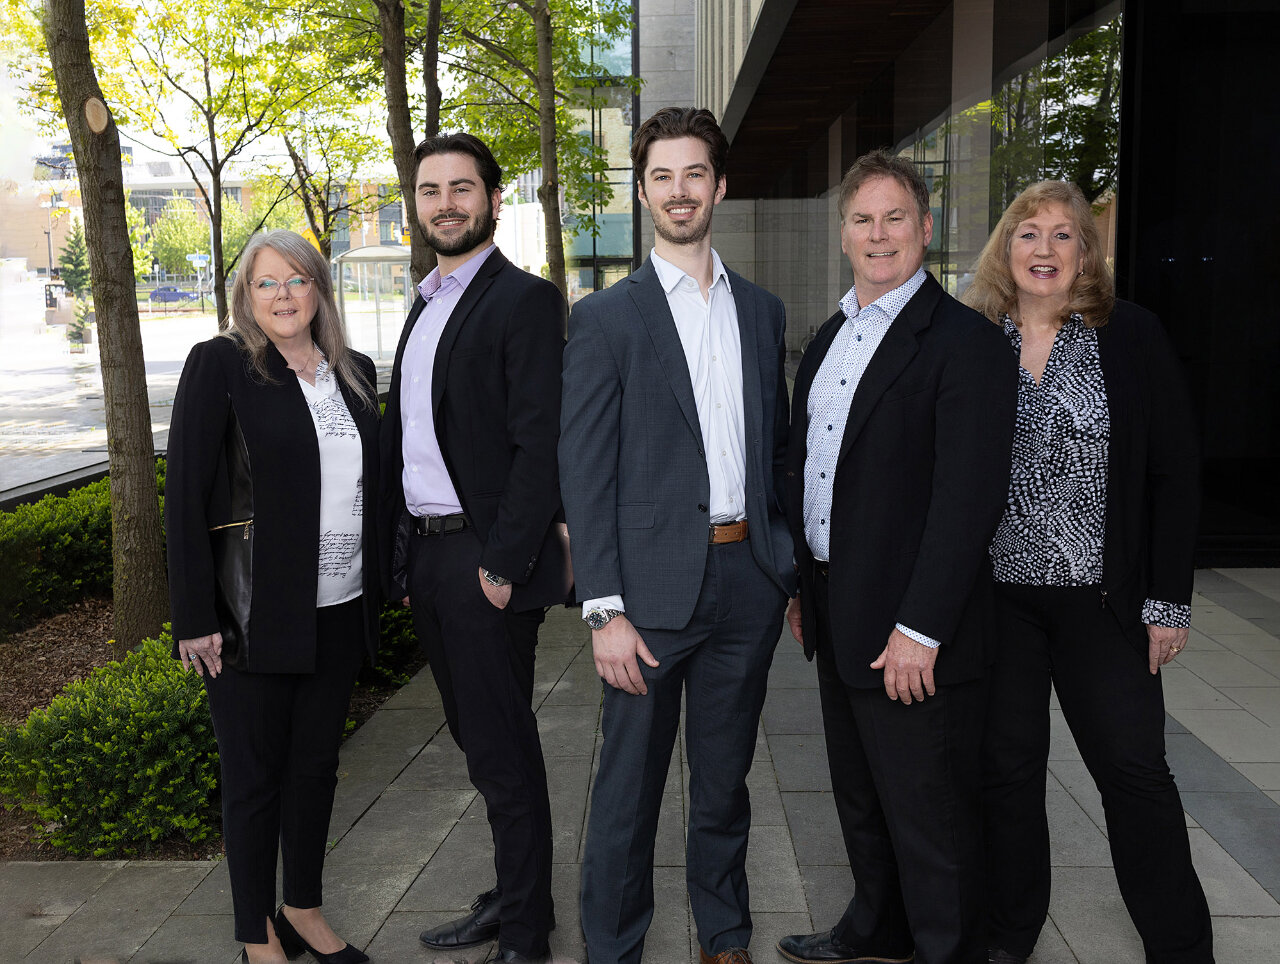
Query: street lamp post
55, 201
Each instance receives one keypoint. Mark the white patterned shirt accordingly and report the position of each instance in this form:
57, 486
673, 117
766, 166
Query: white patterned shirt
341, 489
831, 394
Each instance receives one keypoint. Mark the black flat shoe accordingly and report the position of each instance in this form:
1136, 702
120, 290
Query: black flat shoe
293, 945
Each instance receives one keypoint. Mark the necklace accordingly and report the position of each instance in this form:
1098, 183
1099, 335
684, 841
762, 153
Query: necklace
303, 367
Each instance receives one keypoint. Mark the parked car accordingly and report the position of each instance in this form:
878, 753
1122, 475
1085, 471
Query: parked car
171, 293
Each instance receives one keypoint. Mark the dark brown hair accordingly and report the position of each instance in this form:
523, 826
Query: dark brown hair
880, 163
461, 143
672, 122
1093, 293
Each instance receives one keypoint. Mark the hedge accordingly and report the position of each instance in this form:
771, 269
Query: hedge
119, 761
55, 552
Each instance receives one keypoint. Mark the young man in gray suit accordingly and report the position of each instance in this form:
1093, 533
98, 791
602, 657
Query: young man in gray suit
673, 432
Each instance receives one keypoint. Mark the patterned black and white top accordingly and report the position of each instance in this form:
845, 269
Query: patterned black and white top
1053, 526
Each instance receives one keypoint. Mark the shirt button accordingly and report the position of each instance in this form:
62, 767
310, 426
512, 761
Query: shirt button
843, 382
828, 428
415, 379
701, 507
413, 468
822, 475
822, 521
413, 422
718, 405
723, 452
715, 357
858, 337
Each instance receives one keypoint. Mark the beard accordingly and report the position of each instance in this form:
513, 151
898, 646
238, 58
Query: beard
684, 232
476, 233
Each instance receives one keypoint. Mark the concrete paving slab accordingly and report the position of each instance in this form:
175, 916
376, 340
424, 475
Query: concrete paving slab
357, 901
1052, 947
1062, 745
772, 873
800, 761
419, 693
828, 889
1229, 888
668, 848
40, 896
1247, 826
192, 940
766, 796
1074, 839
670, 939
411, 727
1088, 911
567, 782
1264, 776
769, 927
1196, 767
793, 672
786, 711
1229, 669
405, 826
1235, 735
1248, 643
578, 685
565, 731
440, 765
1244, 939
815, 829
1269, 662
397, 940
1184, 690
1262, 701
124, 913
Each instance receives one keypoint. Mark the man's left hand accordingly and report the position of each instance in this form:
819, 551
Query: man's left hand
1163, 644
498, 595
908, 668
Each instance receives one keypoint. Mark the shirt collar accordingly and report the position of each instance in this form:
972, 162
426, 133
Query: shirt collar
1073, 326
891, 302
669, 275
462, 274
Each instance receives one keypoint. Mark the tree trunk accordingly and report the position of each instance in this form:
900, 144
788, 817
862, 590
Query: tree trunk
400, 124
431, 67
549, 192
139, 585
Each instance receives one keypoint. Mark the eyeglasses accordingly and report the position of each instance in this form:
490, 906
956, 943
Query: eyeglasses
265, 289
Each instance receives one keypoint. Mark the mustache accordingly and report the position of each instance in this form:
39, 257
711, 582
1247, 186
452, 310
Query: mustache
681, 203
449, 216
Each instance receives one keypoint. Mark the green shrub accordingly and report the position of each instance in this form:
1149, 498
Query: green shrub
119, 761
55, 552
397, 648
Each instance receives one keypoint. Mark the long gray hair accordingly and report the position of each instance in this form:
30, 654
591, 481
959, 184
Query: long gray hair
326, 327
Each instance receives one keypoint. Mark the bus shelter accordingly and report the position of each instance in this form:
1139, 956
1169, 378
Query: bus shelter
373, 281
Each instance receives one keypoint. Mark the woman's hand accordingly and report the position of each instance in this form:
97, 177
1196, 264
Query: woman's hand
1163, 644
204, 652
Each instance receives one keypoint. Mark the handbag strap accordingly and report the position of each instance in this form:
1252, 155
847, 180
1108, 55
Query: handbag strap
239, 476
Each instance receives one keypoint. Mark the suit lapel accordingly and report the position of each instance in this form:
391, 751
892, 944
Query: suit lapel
754, 354
457, 318
899, 346
651, 301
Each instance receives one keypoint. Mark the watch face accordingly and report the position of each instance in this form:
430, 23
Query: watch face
599, 618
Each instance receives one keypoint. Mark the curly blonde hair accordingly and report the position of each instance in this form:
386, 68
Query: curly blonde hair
326, 327
994, 292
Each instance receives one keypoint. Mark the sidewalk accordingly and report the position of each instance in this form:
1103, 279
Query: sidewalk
411, 844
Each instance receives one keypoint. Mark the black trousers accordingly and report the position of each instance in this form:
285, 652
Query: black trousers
482, 659
278, 736
907, 792
719, 663
1115, 709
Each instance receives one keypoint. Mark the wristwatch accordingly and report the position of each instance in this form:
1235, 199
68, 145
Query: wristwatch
493, 579
599, 618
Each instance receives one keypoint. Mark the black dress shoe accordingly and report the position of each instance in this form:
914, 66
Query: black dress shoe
997, 956
826, 948
294, 944
478, 927
509, 956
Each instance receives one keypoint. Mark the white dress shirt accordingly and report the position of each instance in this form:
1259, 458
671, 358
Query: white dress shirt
712, 342
830, 396
428, 490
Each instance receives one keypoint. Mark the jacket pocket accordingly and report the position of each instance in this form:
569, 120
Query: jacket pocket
635, 515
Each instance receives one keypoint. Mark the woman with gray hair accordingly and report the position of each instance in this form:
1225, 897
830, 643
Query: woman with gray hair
273, 574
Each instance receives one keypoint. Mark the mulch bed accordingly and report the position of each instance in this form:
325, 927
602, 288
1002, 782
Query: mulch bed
34, 667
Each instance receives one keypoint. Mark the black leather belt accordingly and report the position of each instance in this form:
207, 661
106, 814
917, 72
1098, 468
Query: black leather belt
439, 525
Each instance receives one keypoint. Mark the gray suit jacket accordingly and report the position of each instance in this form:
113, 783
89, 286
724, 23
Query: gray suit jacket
633, 469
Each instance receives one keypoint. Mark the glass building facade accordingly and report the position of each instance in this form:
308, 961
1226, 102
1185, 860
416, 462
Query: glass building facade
1152, 108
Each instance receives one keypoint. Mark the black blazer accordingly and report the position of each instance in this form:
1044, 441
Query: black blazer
1153, 469
495, 400
284, 459
921, 482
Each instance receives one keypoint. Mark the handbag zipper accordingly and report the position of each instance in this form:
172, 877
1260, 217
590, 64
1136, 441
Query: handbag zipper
247, 523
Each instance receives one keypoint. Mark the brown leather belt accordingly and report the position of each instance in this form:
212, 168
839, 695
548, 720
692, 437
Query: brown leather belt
718, 535
439, 525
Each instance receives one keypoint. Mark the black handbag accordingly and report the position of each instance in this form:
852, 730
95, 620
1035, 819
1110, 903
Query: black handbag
233, 551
